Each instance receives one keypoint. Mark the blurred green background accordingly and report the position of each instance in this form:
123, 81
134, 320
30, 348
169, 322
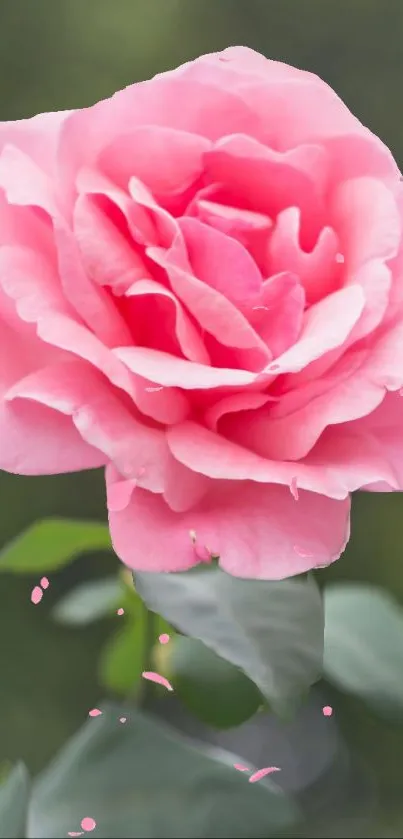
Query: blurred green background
67, 54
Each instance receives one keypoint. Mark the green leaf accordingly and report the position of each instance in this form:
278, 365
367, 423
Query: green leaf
217, 692
14, 794
364, 644
273, 631
141, 779
52, 543
121, 660
89, 602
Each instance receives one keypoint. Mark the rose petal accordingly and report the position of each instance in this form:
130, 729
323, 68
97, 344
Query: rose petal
260, 545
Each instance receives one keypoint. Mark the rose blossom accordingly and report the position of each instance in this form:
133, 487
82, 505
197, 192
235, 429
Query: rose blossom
201, 289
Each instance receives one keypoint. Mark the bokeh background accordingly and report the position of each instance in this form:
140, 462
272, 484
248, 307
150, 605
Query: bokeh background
68, 54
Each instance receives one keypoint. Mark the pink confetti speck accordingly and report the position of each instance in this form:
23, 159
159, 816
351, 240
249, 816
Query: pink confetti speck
262, 772
36, 595
327, 711
164, 638
88, 824
120, 611
45, 583
241, 767
95, 712
302, 551
122, 719
294, 488
155, 677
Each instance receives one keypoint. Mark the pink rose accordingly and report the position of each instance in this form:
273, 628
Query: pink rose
201, 289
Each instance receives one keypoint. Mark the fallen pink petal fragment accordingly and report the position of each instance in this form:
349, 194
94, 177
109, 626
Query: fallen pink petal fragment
327, 711
203, 553
302, 551
155, 677
95, 712
36, 595
120, 612
122, 719
88, 824
262, 772
294, 488
164, 638
45, 582
241, 767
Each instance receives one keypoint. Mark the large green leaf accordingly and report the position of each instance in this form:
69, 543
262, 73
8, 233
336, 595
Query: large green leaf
14, 794
122, 659
51, 544
141, 779
89, 602
273, 631
364, 644
212, 688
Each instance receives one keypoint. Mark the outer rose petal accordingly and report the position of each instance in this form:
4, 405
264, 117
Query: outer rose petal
305, 109
384, 428
77, 390
333, 468
258, 531
34, 439
37, 136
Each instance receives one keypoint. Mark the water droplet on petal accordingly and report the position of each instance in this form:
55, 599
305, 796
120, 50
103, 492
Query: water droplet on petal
339, 257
